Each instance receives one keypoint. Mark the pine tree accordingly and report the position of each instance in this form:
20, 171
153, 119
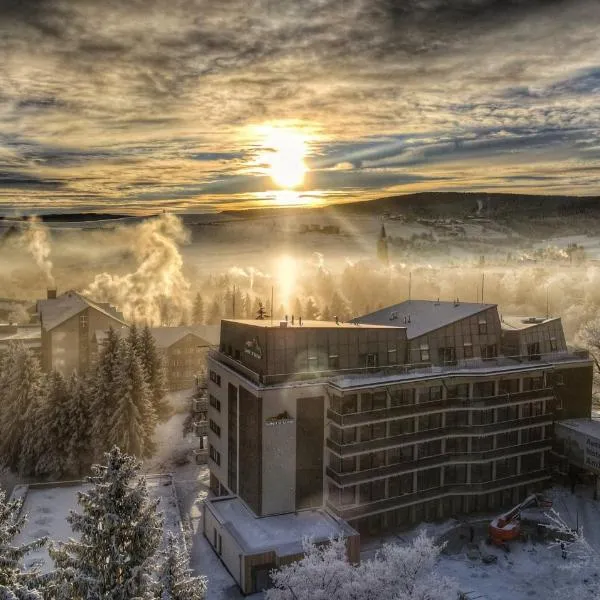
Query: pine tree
247, 303
297, 308
54, 428
326, 314
120, 531
78, 455
174, 578
154, 373
214, 314
339, 307
261, 313
132, 424
23, 385
104, 397
310, 310
14, 583
198, 310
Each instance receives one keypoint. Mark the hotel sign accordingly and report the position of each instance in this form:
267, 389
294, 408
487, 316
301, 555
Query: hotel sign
253, 349
592, 453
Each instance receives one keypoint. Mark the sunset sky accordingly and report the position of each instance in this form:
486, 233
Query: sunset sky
204, 104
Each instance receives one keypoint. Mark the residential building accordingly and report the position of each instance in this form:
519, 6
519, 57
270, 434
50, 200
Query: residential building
68, 322
415, 412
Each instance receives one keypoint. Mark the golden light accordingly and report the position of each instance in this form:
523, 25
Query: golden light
286, 278
284, 154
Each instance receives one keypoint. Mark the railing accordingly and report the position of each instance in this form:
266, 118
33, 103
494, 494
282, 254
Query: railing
343, 479
200, 405
407, 439
353, 512
412, 369
201, 428
447, 405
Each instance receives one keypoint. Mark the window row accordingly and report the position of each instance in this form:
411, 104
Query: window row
214, 402
215, 378
214, 454
216, 429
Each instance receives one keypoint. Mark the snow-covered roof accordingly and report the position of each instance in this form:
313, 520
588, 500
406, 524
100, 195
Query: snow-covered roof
589, 427
306, 324
422, 316
510, 323
282, 533
30, 335
167, 336
55, 311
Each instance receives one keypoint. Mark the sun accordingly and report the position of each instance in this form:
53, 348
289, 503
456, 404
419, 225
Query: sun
284, 154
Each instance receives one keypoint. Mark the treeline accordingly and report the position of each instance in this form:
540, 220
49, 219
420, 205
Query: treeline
55, 427
117, 553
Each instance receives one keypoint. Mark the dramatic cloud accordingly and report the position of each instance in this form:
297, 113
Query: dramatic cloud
137, 105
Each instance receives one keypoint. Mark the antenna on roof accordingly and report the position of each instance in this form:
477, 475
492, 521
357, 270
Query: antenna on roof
547, 302
409, 285
482, 284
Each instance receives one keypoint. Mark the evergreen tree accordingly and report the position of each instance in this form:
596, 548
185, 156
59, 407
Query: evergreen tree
119, 530
261, 313
104, 397
326, 314
14, 583
198, 310
175, 581
154, 373
22, 384
339, 307
228, 304
132, 424
297, 308
134, 339
54, 428
310, 310
247, 304
214, 314
78, 454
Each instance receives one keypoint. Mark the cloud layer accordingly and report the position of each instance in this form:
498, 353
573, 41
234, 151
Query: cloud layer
135, 105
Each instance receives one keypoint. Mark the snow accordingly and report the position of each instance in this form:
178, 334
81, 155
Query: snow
283, 533
47, 507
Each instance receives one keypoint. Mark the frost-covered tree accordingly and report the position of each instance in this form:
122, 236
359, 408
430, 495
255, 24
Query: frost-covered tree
198, 310
53, 427
175, 581
310, 310
104, 395
119, 532
14, 582
396, 573
154, 373
78, 445
20, 388
297, 308
133, 421
214, 313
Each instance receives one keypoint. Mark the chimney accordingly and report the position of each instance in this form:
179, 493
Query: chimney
51, 294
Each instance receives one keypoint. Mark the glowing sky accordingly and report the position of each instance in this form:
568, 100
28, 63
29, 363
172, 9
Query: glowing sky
145, 104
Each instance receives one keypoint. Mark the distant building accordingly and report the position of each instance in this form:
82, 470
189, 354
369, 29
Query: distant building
382, 246
68, 322
28, 335
423, 410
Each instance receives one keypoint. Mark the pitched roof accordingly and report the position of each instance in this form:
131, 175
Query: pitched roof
510, 323
422, 316
167, 336
55, 311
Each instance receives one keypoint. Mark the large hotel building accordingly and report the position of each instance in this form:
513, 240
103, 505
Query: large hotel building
420, 411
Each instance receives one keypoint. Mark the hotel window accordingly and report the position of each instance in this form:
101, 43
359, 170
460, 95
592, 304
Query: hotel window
349, 404
424, 353
215, 378
447, 356
468, 350
214, 454
392, 356
334, 362
533, 351
482, 328
371, 360
508, 386
483, 389
402, 426
83, 321
214, 428
214, 402
489, 351
460, 390
403, 397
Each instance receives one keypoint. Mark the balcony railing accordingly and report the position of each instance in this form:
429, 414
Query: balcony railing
447, 405
201, 428
200, 405
356, 374
353, 512
407, 439
344, 479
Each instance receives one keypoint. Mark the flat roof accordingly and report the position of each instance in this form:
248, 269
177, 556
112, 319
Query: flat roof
422, 316
589, 427
518, 323
282, 533
312, 324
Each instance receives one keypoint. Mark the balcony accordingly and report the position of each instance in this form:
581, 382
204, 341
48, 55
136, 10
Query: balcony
448, 405
200, 405
201, 428
354, 512
344, 479
436, 434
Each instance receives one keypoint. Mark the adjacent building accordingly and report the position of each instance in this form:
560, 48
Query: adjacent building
419, 411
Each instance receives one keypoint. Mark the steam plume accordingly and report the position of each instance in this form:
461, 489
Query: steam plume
157, 291
38, 243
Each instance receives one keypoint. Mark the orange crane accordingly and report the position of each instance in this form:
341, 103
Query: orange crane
507, 526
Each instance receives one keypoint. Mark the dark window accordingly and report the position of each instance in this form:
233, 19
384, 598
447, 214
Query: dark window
458, 418
379, 400
366, 402
430, 422
455, 474
456, 445
403, 397
335, 404
347, 495
334, 362
483, 417
214, 454
489, 351
428, 479
349, 404
392, 356
508, 386
433, 448
447, 356
533, 351
507, 413
349, 435
372, 460
531, 462
509, 438
468, 350
482, 444
553, 344
533, 383
214, 428
482, 326
424, 352
215, 378
398, 455
533, 434
537, 409
402, 426
506, 467
460, 390
481, 473
400, 485
214, 402
483, 389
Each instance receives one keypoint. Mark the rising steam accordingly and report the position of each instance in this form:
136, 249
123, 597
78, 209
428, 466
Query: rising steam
156, 292
38, 243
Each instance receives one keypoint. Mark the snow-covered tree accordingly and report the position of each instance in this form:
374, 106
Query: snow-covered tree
297, 308
198, 310
104, 396
53, 427
20, 387
14, 582
133, 421
175, 581
154, 373
396, 573
247, 306
120, 531
310, 310
214, 313
78, 445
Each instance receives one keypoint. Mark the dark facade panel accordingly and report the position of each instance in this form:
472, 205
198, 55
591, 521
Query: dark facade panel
573, 390
232, 441
309, 452
250, 449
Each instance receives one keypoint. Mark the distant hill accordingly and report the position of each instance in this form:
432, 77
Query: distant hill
70, 217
